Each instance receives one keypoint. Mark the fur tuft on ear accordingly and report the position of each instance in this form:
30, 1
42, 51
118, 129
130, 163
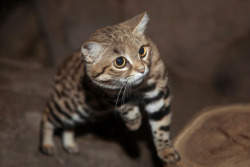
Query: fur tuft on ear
142, 25
90, 51
138, 23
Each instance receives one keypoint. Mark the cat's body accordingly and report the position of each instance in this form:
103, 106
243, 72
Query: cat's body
117, 69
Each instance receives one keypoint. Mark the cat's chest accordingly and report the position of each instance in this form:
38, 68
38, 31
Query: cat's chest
103, 103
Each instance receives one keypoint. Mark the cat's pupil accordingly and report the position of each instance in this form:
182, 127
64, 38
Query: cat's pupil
141, 51
119, 61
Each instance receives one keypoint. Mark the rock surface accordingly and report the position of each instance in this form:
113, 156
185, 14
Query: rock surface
217, 137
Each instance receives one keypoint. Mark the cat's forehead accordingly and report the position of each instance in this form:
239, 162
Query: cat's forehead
118, 36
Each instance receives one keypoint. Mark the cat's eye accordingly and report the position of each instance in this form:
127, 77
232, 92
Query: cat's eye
120, 62
142, 51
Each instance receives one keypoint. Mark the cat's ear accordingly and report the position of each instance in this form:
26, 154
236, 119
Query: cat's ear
138, 23
90, 51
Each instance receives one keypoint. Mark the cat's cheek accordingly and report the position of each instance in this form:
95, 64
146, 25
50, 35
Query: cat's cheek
138, 81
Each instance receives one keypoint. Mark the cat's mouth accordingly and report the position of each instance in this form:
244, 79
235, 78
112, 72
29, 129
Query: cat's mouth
137, 78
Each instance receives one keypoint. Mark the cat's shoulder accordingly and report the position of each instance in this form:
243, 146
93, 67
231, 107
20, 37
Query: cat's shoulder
71, 64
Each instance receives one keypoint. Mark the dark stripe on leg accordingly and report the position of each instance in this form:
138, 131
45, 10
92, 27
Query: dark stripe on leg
54, 115
165, 128
52, 121
149, 88
61, 111
167, 93
158, 115
150, 100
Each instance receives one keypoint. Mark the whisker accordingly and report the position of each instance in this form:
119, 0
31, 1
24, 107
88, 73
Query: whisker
115, 112
127, 93
124, 94
118, 96
130, 96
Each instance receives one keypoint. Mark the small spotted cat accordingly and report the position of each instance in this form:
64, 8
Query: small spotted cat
117, 69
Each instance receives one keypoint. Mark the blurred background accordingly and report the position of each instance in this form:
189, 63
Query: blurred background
205, 45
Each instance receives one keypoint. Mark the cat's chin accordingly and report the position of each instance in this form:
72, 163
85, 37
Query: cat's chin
137, 82
105, 85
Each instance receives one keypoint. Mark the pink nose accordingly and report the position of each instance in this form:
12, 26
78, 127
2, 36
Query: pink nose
141, 69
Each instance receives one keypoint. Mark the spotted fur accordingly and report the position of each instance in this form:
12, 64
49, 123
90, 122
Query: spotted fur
89, 85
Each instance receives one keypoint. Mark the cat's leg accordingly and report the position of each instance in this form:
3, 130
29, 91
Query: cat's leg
131, 116
47, 133
68, 139
158, 109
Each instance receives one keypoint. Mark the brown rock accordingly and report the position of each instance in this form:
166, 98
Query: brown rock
218, 137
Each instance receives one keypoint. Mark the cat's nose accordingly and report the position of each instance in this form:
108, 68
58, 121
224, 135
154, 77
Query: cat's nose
141, 69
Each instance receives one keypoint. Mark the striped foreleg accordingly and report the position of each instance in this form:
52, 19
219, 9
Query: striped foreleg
158, 109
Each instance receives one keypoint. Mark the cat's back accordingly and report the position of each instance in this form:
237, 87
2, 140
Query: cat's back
72, 90
72, 68
67, 89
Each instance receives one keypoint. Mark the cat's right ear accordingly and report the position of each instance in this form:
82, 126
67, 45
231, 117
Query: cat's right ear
90, 51
138, 23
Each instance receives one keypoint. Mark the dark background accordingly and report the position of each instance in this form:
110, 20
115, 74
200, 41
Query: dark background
205, 45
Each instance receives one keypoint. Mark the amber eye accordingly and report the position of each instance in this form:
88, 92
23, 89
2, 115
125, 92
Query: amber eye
120, 62
142, 51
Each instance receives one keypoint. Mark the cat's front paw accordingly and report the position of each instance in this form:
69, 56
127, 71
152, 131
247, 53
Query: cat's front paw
134, 124
169, 155
48, 149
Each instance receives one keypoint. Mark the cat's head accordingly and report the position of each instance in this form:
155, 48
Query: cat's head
118, 55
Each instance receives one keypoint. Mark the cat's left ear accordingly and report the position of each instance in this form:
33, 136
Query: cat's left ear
91, 51
138, 23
